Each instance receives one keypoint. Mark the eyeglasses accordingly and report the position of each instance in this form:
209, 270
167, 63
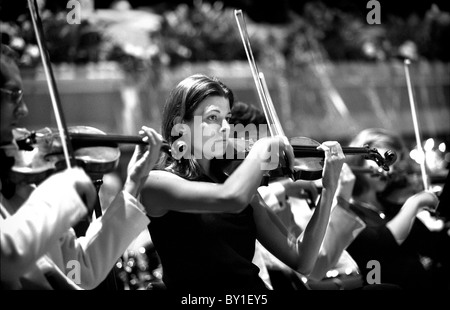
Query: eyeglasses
16, 96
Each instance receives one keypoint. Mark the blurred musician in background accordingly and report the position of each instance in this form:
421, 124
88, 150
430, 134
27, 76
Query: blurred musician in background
408, 253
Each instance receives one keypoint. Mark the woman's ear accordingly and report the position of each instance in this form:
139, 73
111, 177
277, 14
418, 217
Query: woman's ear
178, 148
181, 145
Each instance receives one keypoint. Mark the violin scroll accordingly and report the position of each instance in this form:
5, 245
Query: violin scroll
384, 162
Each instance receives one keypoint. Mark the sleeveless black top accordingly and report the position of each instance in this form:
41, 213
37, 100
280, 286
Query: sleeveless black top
399, 264
211, 251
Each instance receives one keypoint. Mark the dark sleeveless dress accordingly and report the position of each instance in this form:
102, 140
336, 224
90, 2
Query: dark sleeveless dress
207, 252
400, 265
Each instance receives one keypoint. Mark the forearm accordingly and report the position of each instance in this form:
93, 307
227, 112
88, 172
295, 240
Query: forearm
132, 187
310, 241
341, 231
272, 215
244, 181
401, 224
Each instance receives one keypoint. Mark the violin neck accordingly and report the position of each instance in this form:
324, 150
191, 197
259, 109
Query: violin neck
85, 139
312, 151
99, 138
348, 150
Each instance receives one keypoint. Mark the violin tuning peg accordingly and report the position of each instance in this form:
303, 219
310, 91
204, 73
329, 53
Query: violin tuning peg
390, 157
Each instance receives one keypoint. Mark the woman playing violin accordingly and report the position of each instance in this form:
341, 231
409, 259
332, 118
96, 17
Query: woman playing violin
204, 228
387, 237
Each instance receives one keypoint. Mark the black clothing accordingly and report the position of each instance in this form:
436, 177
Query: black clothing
403, 265
211, 251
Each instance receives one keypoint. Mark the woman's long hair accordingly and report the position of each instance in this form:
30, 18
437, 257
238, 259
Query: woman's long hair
179, 108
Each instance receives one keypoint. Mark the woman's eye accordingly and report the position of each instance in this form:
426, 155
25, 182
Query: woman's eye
212, 118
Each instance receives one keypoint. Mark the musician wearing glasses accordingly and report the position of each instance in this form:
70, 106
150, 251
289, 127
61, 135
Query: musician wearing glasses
13, 106
37, 241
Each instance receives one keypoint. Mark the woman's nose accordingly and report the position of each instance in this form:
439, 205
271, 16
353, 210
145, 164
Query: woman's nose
225, 126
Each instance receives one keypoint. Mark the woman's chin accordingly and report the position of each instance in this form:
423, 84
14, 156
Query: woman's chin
220, 150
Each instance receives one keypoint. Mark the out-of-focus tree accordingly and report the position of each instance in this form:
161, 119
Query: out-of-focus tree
201, 30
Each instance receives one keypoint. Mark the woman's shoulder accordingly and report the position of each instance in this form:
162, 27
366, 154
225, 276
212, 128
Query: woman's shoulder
163, 179
163, 175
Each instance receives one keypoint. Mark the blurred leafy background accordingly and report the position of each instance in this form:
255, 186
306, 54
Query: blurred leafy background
205, 30
324, 63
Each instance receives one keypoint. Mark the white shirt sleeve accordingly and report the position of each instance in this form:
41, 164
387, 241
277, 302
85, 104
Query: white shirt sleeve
106, 239
26, 235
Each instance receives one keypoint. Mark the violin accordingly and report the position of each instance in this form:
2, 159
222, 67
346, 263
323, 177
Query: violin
94, 150
309, 160
40, 155
40, 152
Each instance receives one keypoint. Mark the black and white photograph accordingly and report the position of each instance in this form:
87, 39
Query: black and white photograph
225, 153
